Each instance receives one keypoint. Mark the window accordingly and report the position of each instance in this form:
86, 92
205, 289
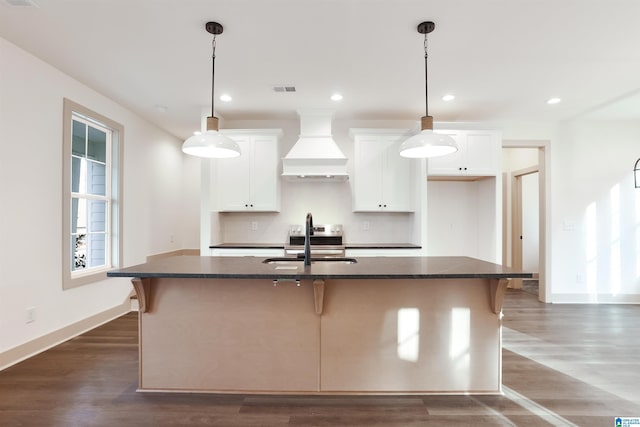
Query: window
92, 150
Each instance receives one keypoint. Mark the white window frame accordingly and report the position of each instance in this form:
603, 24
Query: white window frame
113, 195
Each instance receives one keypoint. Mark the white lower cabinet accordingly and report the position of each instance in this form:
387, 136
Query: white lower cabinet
266, 253
251, 181
383, 180
355, 253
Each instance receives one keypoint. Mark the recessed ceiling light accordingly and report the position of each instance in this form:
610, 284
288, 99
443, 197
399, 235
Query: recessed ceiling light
336, 97
552, 101
225, 98
448, 98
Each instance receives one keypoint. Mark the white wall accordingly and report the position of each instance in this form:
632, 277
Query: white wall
530, 222
461, 219
31, 100
595, 222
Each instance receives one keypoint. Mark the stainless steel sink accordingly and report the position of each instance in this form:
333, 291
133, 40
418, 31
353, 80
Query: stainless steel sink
289, 260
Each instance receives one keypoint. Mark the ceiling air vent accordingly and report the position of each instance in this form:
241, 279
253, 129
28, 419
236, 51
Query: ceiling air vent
21, 3
284, 88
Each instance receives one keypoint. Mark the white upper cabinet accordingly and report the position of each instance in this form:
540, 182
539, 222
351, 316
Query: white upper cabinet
478, 155
250, 182
383, 180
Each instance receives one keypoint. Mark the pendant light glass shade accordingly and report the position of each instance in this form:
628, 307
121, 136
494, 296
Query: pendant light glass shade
211, 144
428, 144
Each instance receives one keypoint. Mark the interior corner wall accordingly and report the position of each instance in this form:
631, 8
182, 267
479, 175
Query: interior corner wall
190, 201
596, 213
31, 103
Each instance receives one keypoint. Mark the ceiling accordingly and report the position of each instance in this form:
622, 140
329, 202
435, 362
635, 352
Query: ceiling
502, 59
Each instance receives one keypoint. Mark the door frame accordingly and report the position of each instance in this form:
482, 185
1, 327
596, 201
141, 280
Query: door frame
543, 147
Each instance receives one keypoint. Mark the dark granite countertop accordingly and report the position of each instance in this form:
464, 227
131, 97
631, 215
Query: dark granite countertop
195, 267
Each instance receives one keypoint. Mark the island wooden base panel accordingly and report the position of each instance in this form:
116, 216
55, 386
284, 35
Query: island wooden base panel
373, 337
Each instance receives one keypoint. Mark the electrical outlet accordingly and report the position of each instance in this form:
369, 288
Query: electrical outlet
31, 315
366, 225
254, 225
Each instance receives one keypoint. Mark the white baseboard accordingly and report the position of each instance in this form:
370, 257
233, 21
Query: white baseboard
595, 299
29, 349
179, 252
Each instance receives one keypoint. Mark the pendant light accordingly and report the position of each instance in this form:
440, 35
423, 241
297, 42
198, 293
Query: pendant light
636, 174
211, 143
427, 143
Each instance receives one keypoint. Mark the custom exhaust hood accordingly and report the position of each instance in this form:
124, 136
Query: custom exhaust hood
315, 156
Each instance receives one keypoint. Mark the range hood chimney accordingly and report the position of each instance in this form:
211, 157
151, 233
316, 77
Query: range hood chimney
315, 156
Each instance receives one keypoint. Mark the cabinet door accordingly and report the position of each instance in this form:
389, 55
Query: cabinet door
234, 178
483, 155
451, 164
369, 159
266, 253
478, 155
265, 194
397, 178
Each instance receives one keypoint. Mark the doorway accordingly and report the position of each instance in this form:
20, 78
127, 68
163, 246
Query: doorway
525, 234
524, 211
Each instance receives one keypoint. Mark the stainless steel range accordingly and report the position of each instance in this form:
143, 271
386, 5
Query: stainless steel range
326, 241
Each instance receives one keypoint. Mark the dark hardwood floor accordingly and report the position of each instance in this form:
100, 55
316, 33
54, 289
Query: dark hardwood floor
564, 365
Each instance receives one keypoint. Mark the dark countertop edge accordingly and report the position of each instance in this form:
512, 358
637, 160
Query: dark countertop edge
248, 246
347, 246
382, 246
304, 276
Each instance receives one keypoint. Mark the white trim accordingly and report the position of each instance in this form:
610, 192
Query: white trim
31, 348
178, 252
595, 299
114, 184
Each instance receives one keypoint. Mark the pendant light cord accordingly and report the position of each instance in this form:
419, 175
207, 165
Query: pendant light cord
426, 84
213, 73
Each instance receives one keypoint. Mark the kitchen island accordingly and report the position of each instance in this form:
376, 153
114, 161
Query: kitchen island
394, 325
